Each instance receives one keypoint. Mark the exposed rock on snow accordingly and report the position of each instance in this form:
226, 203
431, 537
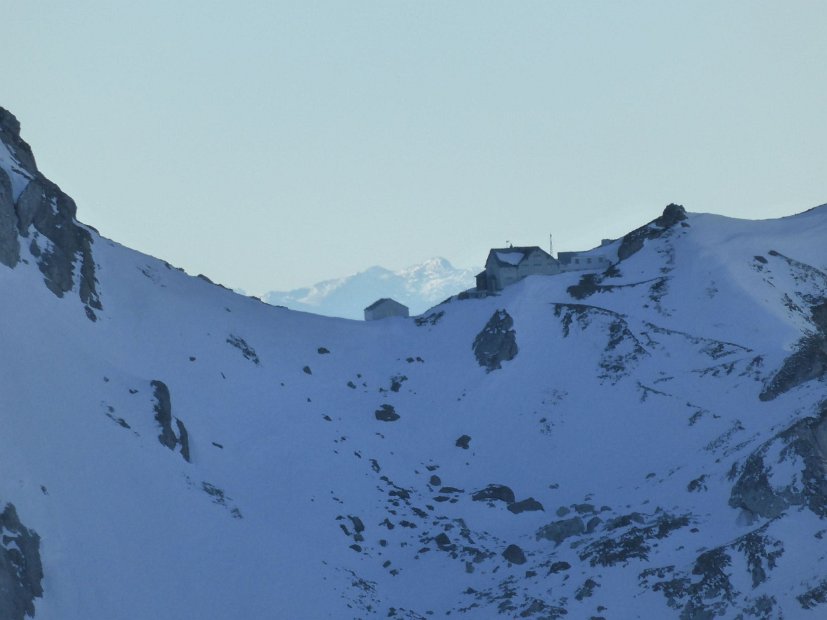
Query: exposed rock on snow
386, 413
246, 350
21, 572
635, 420
494, 492
163, 415
497, 342
61, 247
514, 554
807, 363
9, 243
633, 242
788, 470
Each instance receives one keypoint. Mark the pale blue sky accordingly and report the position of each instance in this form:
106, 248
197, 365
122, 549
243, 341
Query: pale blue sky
271, 145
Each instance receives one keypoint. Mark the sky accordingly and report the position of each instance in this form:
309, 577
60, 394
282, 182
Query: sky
271, 145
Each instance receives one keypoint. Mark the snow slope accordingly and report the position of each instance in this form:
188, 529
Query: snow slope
419, 287
634, 444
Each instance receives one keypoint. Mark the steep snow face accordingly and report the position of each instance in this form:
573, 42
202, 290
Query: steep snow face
419, 287
582, 445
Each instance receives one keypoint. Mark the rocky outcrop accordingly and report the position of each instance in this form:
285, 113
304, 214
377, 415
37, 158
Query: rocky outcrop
633, 242
492, 492
710, 589
45, 215
163, 416
9, 243
497, 342
558, 531
21, 571
514, 554
807, 363
386, 413
803, 448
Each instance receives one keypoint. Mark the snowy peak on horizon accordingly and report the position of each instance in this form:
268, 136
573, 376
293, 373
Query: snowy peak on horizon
419, 287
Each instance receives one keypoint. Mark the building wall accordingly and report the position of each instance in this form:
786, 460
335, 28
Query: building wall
499, 276
385, 310
574, 262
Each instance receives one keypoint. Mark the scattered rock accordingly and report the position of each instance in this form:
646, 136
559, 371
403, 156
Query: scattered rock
386, 413
586, 590
443, 541
814, 596
514, 554
246, 350
462, 442
558, 531
526, 505
498, 492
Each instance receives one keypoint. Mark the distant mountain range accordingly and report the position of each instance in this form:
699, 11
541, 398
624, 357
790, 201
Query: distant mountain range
419, 287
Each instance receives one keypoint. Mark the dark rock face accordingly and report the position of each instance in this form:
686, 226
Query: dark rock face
631, 537
492, 492
525, 505
707, 590
463, 442
163, 415
21, 571
814, 597
10, 130
804, 442
558, 531
43, 213
497, 342
807, 363
9, 243
633, 242
514, 554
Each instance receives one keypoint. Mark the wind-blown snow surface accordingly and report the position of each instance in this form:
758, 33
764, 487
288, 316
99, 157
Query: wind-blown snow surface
343, 469
419, 287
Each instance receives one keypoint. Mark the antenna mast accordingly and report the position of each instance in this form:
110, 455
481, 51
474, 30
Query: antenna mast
550, 246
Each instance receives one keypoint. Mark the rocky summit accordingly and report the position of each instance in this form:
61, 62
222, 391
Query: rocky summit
645, 442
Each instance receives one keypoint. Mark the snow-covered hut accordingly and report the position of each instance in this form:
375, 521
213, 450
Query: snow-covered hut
385, 307
506, 266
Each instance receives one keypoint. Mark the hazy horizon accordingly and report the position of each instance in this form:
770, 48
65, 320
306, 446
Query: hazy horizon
274, 145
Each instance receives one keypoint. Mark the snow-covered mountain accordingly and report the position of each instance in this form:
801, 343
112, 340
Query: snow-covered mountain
649, 442
419, 287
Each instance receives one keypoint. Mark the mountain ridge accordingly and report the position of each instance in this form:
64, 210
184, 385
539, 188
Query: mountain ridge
579, 445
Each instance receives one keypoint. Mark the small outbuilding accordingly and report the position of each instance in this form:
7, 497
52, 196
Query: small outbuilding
385, 307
